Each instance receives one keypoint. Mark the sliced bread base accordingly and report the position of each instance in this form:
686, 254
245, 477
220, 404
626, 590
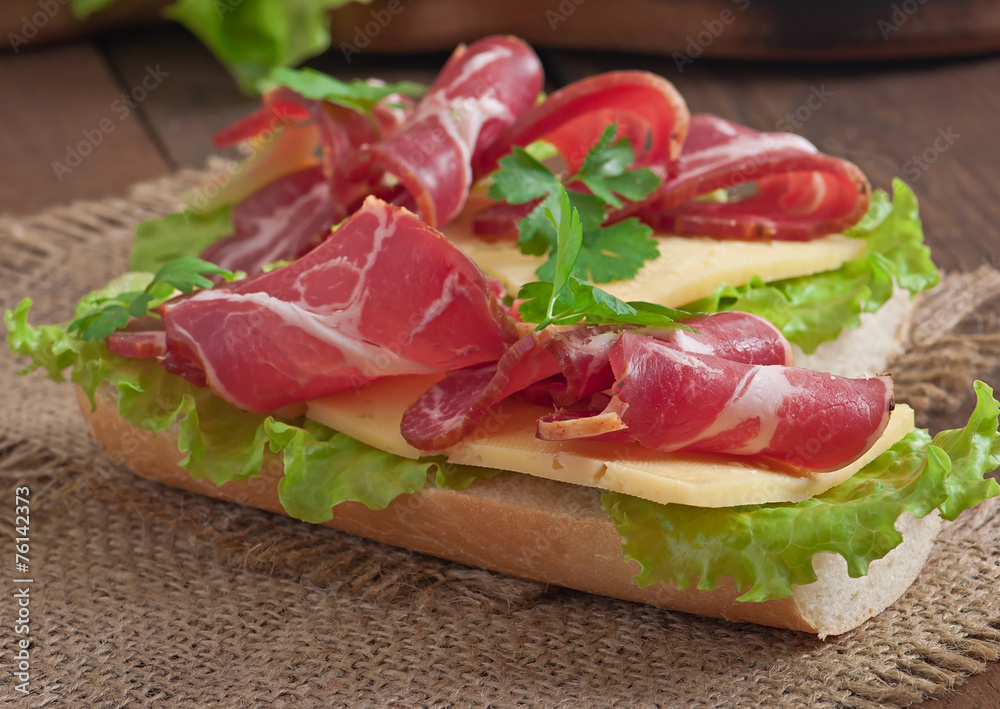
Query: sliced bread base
543, 531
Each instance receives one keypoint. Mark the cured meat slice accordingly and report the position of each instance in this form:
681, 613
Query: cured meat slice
480, 91
137, 345
800, 194
293, 209
647, 108
451, 409
564, 366
282, 221
385, 295
184, 368
677, 400
278, 108
600, 420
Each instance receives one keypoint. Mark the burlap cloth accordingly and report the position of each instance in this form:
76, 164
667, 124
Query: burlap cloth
144, 595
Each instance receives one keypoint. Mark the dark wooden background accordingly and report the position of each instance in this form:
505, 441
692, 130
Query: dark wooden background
932, 122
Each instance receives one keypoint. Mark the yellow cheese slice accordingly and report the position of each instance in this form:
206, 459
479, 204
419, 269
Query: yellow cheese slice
687, 269
506, 440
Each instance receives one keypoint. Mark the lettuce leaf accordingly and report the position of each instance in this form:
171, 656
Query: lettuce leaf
186, 233
358, 95
324, 468
253, 36
49, 346
83, 9
767, 549
249, 36
222, 443
814, 309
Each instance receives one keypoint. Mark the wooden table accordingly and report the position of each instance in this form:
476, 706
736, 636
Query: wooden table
144, 103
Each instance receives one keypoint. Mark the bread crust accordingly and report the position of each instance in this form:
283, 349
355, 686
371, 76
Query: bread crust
538, 530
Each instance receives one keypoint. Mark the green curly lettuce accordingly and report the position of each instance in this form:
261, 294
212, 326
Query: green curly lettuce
814, 309
221, 443
768, 549
250, 37
187, 233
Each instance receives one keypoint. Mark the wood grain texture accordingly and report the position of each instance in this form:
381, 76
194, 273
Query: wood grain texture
772, 29
63, 106
201, 97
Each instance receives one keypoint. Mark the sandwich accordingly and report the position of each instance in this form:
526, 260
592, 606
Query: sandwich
305, 339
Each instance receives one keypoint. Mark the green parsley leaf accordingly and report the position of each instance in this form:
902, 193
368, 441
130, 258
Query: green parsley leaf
605, 171
616, 252
187, 273
522, 178
356, 94
566, 299
110, 309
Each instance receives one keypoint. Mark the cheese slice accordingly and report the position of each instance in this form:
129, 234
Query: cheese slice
506, 440
687, 269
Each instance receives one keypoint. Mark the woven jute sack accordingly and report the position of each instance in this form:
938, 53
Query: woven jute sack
142, 595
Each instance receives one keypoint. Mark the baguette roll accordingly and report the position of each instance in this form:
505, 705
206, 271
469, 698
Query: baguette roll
540, 530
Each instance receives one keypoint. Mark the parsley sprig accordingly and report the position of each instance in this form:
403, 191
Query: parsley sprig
567, 299
357, 94
100, 316
607, 253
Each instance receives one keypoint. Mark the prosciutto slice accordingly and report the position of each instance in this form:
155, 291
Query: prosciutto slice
674, 400
564, 366
137, 345
799, 193
450, 410
282, 221
278, 108
480, 91
385, 295
647, 108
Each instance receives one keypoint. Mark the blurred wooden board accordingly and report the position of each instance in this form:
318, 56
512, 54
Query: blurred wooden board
68, 133
740, 29
200, 97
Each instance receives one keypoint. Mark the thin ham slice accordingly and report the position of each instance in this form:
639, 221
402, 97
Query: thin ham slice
294, 211
385, 295
564, 366
646, 107
278, 109
480, 91
676, 400
451, 409
282, 221
800, 194
148, 344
